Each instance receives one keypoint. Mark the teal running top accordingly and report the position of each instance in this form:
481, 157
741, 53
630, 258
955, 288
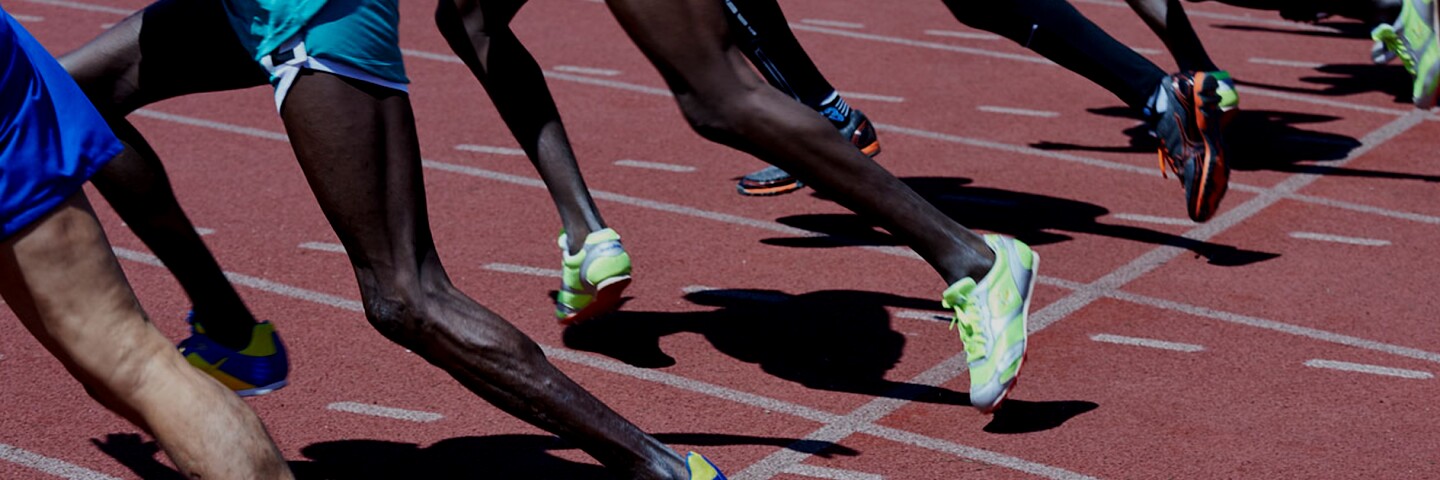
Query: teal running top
359, 33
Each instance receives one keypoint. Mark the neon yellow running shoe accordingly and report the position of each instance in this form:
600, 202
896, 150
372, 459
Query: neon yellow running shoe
1412, 38
991, 317
593, 278
701, 468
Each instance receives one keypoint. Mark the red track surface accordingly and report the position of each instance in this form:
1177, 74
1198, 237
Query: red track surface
1327, 150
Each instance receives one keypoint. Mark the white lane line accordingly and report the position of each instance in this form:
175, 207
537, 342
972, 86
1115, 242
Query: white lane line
668, 167
874, 97
831, 473
604, 72
1135, 217
255, 283
1286, 63
490, 150
993, 202
1371, 369
27, 18
204, 231
1147, 51
832, 23
523, 270
763, 297
1146, 342
85, 6
1025, 112
964, 35
384, 412
1325, 237
922, 44
56, 467
922, 315
323, 247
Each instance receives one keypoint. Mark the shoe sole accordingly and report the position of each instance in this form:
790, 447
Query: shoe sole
1207, 200
258, 391
607, 299
1014, 382
777, 188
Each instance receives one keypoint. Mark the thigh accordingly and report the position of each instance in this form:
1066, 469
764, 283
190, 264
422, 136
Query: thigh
169, 49
689, 42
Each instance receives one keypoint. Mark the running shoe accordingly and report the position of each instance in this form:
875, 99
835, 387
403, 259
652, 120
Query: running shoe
1189, 127
701, 468
774, 181
593, 278
991, 318
1412, 39
259, 369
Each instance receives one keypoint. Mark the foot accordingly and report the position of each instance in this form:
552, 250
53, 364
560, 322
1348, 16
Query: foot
260, 368
1191, 144
991, 318
701, 468
1412, 39
774, 181
593, 278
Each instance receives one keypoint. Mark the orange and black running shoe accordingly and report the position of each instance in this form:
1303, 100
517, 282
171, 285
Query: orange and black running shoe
1191, 143
774, 181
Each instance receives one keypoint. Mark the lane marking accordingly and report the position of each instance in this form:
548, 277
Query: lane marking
52, 466
1018, 111
1325, 237
523, 270
490, 150
874, 97
255, 283
90, 7
922, 44
323, 247
993, 202
1394, 128
1371, 369
384, 412
1135, 217
964, 35
1146, 342
1286, 63
668, 167
762, 297
604, 72
832, 23
1193, 12
1370, 209
1147, 51
27, 18
202, 231
922, 315
831, 473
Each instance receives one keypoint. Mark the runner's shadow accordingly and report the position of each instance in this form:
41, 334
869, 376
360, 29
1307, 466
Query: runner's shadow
1341, 80
832, 340
495, 456
1034, 219
1338, 29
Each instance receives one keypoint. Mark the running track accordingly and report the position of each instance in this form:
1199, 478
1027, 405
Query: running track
1288, 337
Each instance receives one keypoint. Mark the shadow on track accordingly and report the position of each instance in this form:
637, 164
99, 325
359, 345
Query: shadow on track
1032, 218
495, 456
833, 340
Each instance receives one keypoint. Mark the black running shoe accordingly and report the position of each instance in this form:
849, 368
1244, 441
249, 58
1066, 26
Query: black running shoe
1191, 144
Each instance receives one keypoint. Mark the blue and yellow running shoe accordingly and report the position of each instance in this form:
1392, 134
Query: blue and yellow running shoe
1413, 40
593, 278
259, 369
991, 316
701, 468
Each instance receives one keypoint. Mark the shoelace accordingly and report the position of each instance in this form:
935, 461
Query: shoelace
967, 318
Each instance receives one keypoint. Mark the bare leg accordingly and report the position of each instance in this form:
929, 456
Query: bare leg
357, 146
61, 278
479, 32
1167, 18
172, 48
725, 101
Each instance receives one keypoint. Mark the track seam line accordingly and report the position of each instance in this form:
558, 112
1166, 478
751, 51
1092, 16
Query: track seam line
888, 250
